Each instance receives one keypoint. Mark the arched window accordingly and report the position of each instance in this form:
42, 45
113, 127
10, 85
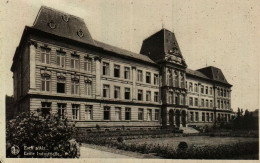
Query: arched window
175, 79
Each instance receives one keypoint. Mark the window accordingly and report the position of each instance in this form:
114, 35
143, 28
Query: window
211, 117
149, 114
218, 104
127, 113
118, 113
169, 78
140, 114
182, 81
75, 61
203, 117
88, 112
182, 102
45, 55
196, 102
75, 87
224, 104
106, 91
156, 79
211, 91
61, 110
156, 97
127, 93
221, 92
225, 93
170, 100
202, 102
207, 117
228, 105
46, 109
156, 115
191, 101
60, 60
117, 92
140, 95
105, 68
88, 88
197, 116
148, 77
202, 88
175, 79
117, 71
75, 111
207, 103
207, 90
211, 103
148, 95
60, 86
218, 92
176, 99
106, 113
190, 87
140, 75
191, 117
87, 64
218, 117
221, 104
46, 83
127, 73
196, 87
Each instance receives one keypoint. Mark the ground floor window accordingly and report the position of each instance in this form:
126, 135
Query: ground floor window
61, 110
191, 116
118, 113
106, 113
156, 115
203, 117
88, 112
140, 114
75, 111
211, 117
149, 114
197, 116
46, 108
207, 117
127, 113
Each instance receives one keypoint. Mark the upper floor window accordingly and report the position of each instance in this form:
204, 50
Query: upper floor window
169, 78
45, 55
218, 104
196, 102
127, 93
191, 101
106, 91
140, 95
88, 112
74, 87
127, 73
61, 110
207, 103
211, 91
202, 88
196, 88
87, 64
207, 90
148, 95
170, 100
211, 103
105, 68
117, 71
207, 117
176, 78
46, 80
176, 99
221, 92
46, 109
74, 61
225, 93
139, 75
149, 114
182, 81
61, 85
117, 92
156, 97
218, 92
221, 104
156, 79
202, 102
182, 100
88, 88
118, 113
190, 86
60, 59
127, 113
75, 111
148, 77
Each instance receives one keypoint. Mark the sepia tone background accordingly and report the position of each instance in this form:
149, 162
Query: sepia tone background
222, 33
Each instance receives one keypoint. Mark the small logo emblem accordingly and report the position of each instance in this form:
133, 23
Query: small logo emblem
15, 150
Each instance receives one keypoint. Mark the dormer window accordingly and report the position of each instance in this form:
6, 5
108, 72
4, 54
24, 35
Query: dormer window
80, 33
65, 18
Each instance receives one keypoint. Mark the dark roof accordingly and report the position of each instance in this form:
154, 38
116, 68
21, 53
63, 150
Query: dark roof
71, 28
196, 73
63, 24
123, 52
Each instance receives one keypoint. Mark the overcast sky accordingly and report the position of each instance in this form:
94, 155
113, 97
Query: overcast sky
224, 34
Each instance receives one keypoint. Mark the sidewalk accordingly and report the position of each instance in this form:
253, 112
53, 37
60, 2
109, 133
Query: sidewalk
86, 152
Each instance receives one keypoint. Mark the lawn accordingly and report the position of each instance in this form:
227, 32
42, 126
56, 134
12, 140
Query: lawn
192, 140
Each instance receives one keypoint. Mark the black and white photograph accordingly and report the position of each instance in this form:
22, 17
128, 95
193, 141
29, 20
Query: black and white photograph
129, 80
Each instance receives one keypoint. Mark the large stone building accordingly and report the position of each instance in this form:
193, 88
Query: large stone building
59, 68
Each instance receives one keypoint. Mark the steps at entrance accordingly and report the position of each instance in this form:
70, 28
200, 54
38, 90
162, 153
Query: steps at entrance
189, 130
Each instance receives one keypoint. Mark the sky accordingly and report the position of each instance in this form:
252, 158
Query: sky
224, 34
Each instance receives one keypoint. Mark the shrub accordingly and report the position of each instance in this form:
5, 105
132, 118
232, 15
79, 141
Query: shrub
182, 145
51, 133
120, 139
